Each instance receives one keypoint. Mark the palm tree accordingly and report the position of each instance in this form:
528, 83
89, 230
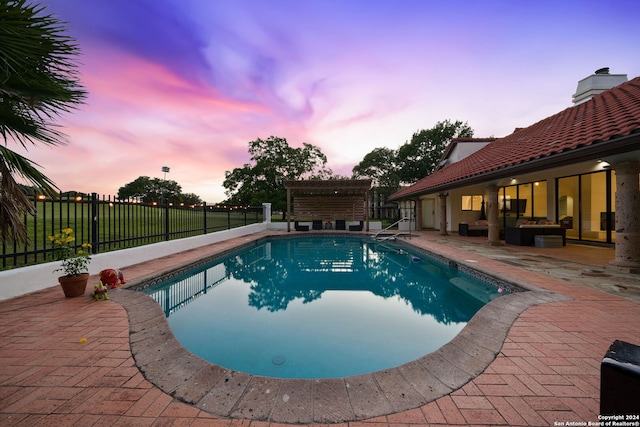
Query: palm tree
38, 82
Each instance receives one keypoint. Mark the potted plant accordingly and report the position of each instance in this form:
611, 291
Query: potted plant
74, 262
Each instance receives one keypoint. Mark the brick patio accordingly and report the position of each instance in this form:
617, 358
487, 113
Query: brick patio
547, 370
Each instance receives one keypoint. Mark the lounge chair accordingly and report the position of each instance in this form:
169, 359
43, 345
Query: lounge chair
340, 224
317, 224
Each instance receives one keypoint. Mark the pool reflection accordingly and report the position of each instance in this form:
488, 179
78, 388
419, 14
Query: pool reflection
283, 270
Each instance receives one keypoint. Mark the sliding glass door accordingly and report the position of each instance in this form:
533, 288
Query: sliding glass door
586, 206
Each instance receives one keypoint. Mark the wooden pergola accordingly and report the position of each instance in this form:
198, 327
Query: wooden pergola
330, 200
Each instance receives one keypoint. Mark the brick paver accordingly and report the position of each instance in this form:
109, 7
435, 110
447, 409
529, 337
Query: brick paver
547, 371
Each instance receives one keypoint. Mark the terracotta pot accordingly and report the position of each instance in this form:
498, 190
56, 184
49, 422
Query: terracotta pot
74, 286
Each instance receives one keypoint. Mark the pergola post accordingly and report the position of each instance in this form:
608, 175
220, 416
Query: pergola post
366, 209
288, 210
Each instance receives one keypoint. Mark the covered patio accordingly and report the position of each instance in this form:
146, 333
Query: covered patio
327, 202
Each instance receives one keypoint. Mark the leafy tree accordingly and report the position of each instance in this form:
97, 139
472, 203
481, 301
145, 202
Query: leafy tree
135, 189
151, 190
419, 157
411, 162
38, 82
337, 177
163, 191
189, 199
380, 166
273, 162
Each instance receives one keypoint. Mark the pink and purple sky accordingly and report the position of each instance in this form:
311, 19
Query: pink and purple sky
188, 83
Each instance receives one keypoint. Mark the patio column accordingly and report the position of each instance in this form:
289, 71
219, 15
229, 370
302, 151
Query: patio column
443, 214
492, 216
417, 209
627, 217
266, 213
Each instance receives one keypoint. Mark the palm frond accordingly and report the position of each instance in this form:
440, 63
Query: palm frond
20, 165
38, 82
38, 74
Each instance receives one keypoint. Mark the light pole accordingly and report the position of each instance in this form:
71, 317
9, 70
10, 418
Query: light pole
164, 169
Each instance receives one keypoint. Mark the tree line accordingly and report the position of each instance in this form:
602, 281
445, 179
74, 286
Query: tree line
273, 161
149, 190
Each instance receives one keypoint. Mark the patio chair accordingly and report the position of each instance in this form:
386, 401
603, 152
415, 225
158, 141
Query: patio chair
299, 227
340, 224
317, 224
356, 227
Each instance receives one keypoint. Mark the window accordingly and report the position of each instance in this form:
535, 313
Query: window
472, 203
527, 200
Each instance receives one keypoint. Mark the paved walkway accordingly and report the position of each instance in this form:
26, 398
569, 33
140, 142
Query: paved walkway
69, 362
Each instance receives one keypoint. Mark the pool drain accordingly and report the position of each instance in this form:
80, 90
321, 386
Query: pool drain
278, 360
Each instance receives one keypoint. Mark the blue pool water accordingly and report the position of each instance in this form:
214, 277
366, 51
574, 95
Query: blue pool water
319, 307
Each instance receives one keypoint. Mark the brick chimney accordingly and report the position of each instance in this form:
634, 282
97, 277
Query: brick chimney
597, 83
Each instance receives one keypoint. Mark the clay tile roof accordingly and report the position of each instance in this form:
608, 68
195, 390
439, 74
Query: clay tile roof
590, 125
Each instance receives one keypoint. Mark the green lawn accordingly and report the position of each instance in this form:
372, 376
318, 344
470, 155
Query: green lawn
117, 226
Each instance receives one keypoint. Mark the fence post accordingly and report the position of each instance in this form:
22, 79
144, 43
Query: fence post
204, 212
166, 221
95, 241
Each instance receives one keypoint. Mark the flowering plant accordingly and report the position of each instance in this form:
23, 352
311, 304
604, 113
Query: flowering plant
74, 261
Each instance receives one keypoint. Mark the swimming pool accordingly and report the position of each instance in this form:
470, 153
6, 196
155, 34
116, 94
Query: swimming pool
319, 306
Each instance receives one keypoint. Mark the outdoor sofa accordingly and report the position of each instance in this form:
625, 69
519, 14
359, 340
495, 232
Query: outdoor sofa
474, 228
524, 234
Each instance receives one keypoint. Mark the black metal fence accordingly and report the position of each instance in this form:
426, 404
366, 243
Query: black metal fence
109, 224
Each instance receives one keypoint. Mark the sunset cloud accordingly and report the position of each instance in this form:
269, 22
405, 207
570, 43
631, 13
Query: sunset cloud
189, 83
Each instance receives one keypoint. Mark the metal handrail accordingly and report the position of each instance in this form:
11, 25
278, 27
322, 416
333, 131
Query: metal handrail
392, 225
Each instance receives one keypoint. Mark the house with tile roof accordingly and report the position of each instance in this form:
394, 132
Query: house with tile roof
578, 169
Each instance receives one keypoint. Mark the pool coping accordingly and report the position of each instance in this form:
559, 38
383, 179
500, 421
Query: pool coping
226, 393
